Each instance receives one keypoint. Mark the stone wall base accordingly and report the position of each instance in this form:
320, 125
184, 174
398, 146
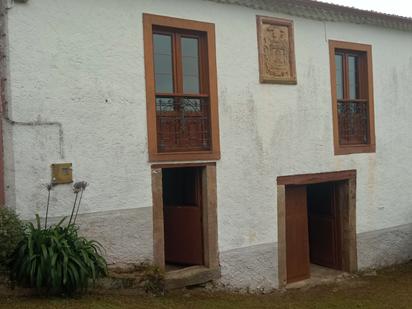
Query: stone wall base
255, 268
385, 247
251, 269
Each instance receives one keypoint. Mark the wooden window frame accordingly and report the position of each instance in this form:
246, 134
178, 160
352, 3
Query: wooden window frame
356, 48
155, 21
177, 70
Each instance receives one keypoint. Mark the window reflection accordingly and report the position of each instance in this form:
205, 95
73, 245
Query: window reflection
163, 65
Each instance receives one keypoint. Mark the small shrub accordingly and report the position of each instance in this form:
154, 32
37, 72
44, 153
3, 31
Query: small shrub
11, 233
57, 260
153, 280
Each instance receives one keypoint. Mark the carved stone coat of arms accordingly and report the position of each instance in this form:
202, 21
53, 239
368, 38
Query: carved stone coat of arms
276, 51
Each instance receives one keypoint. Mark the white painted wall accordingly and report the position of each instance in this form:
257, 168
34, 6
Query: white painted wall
81, 63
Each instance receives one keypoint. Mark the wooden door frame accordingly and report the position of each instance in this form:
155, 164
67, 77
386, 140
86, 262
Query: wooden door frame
348, 196
209, 213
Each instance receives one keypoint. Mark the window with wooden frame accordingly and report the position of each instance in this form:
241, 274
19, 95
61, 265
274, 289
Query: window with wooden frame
181, 89
352, 97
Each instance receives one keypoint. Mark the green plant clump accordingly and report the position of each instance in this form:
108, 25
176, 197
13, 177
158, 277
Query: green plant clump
153, 280
11, 233
57, 260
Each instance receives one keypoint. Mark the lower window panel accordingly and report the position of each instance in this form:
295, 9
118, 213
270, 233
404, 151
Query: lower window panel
353, 123
183, 124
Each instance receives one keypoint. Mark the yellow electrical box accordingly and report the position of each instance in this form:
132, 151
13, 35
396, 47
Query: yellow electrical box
62, 173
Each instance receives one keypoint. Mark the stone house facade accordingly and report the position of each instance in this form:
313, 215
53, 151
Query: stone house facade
242, 139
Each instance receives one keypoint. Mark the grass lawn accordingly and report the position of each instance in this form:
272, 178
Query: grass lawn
390, 288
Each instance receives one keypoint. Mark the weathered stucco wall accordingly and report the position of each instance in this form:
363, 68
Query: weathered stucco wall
80, 63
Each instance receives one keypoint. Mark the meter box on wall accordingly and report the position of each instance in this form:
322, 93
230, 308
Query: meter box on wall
62, 173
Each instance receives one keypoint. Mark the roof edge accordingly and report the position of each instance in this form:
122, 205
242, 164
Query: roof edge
326, 12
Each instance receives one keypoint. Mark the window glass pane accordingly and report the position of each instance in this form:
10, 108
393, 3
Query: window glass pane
191, 84
164, 83
190, 66
189, 47
163, 64
190, 63
339, 76
162, 52
353, 77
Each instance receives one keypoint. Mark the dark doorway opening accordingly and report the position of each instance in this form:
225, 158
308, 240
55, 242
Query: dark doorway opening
314, 228
325, 235
182, 210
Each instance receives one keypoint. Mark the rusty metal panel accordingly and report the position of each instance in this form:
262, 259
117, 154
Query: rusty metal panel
62, 173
